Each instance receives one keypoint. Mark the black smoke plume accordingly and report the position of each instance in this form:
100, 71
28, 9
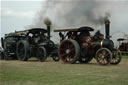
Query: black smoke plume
76, 13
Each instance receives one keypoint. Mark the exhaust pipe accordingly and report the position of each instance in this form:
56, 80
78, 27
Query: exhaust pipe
48, 24
48, 31
107, 29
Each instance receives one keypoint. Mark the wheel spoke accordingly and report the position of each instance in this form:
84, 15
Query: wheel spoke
68, 45
71, 46
63, 55
104, 52
62, 49
73, 49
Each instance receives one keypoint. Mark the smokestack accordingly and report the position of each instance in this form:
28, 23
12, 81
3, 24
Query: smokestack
107, 28
48, 24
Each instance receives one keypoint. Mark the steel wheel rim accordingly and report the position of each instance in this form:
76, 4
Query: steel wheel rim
67, 51
116, 57
103, 57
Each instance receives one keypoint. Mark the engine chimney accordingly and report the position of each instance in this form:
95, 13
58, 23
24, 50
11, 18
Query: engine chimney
107, 28
48, 30
48, 23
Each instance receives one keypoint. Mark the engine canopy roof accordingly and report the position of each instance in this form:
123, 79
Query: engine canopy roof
84, 28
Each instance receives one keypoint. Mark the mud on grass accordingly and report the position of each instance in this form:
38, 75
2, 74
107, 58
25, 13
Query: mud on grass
58, 73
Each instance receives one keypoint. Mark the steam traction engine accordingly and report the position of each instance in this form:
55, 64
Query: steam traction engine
123, 45
79, 45
9, 45
37, 43
34, 42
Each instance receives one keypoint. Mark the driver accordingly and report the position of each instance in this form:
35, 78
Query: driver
43, 37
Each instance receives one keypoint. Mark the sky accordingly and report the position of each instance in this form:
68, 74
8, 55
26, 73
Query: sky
17, 15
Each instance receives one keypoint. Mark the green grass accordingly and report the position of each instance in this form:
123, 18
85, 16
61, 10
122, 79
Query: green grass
58, 73
125, 56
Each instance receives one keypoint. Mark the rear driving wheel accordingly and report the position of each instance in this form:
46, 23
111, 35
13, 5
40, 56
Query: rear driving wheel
116, 58
103, 56
69, 51
1, 55
22, 50
41, 54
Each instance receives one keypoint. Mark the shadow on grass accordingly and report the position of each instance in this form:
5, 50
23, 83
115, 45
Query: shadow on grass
36, 60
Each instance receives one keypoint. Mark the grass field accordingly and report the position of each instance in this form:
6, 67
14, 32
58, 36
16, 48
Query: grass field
58, 73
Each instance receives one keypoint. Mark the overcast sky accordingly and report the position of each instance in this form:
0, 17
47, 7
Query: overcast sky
15, 15
18, 14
